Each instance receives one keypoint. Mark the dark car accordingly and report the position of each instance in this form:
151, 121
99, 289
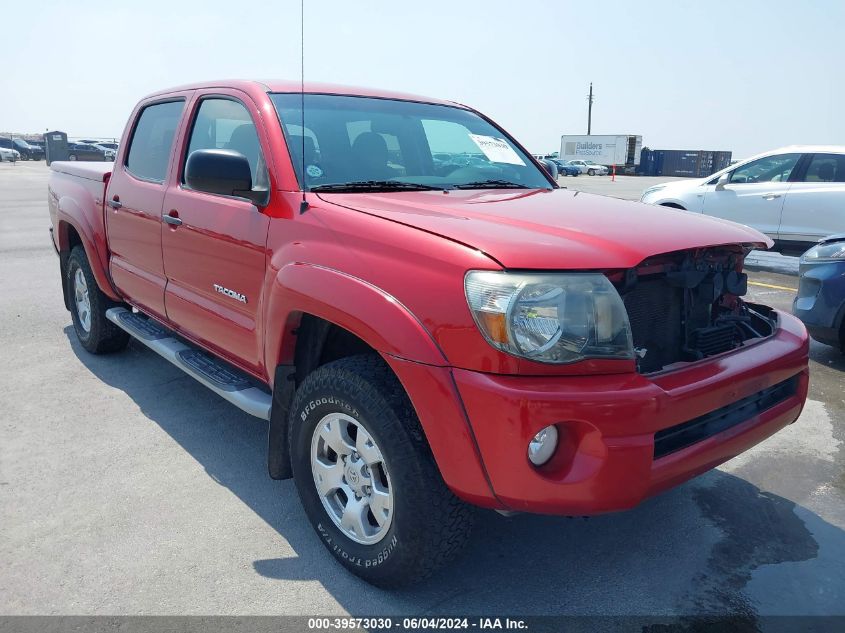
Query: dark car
564, 168
820, 302
83, 151
27, 150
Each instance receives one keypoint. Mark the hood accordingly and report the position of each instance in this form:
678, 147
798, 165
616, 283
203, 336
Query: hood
557, 229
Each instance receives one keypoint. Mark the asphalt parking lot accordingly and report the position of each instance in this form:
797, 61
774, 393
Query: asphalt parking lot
128, 488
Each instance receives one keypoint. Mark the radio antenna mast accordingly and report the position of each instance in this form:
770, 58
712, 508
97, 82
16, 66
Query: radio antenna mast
303, 206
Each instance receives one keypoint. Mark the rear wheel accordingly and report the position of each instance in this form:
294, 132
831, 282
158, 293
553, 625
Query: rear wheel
72, 157
88, 307
366, 476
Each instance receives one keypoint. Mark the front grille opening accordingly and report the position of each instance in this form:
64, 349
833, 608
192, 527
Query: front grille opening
688, 433
655, 313
690, 310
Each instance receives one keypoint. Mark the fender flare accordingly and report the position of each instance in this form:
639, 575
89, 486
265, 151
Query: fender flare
70, 214
392, 330
370, 313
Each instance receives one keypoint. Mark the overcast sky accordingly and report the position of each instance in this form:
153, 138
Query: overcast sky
741, 76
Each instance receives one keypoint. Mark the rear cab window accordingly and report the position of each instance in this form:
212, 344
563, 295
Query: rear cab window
152, 140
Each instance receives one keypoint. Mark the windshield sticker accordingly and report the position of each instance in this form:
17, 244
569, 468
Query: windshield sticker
313, 171
496, 150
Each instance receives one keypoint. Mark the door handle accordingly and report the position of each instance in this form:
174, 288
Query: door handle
115, 204
771, 196
172, 219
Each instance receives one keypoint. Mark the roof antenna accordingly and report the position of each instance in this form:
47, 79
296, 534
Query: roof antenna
303, 206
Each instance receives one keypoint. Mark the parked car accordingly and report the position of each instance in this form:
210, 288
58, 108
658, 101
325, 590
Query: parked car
420, 342
590, 168
795, 195
9, 155
550, 166
108, 145
565, 169
27, 150
820, 302
84, 151
109, 153
20, 146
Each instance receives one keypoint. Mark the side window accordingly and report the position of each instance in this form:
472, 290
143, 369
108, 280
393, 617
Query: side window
152, 141
226, 124
826, 168
768, 169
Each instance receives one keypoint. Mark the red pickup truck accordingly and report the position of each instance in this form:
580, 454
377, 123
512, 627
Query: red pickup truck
426, 320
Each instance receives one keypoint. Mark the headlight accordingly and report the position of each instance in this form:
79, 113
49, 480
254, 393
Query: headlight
822, 252
550, 317
652, 190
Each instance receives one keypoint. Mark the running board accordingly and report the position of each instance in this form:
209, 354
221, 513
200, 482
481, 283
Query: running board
224, 380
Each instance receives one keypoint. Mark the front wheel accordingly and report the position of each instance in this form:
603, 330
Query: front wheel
591, 172
72, 157
366, 476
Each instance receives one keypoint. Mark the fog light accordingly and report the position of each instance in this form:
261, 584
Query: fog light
541, 448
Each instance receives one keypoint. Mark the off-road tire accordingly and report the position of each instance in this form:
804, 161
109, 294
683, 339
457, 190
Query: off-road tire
103, 336
430, 526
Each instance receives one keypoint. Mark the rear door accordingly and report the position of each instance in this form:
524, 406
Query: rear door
133, 204
815, 205
215, 260
754, 193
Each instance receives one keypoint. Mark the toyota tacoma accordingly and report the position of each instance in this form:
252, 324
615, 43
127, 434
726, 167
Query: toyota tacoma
422, 334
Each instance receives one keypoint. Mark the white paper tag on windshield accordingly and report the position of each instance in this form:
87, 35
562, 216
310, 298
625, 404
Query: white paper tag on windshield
496, 150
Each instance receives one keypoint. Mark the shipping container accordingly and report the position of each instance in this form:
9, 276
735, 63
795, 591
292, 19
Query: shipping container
682, 163
603, 149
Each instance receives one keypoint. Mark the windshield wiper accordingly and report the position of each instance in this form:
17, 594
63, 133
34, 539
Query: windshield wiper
375, 185
491, 184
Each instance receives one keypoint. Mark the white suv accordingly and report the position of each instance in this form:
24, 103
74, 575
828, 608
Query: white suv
795, 195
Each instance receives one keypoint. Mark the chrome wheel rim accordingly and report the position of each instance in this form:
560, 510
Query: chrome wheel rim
83, 302
351, 478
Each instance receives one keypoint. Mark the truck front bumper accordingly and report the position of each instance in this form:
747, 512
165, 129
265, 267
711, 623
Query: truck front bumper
626, 437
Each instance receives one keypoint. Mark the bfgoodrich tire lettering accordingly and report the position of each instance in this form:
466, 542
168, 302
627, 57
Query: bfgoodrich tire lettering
428, 525
97, 334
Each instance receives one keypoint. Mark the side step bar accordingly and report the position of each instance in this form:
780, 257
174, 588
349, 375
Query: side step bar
224, 380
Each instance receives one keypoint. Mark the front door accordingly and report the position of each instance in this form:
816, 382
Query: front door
215, 259
133, 206
754, 193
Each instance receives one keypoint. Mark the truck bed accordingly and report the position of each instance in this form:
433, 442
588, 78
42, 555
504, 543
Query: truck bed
98, 171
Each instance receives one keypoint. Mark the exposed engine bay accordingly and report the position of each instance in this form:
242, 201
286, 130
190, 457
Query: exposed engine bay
687, 306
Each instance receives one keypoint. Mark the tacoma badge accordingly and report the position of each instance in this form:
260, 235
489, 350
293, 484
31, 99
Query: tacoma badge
230, 293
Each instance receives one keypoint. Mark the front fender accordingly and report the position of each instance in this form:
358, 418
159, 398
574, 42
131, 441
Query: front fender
367, 311
387, 326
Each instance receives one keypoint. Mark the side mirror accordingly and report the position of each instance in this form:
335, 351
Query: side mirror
221, 171
550, 167
723, 180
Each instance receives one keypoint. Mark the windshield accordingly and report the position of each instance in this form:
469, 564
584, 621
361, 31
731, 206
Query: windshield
362, 143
